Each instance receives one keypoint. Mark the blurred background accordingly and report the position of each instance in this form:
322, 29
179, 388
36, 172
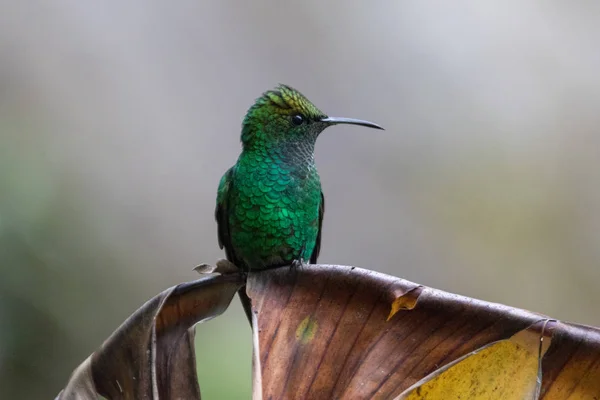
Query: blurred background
118, 118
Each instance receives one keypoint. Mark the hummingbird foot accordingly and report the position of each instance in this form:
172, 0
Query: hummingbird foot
298, 263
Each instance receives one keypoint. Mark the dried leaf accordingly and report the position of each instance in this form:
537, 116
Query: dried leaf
151, 355
81, 384
324, 332
222, 266
571, 367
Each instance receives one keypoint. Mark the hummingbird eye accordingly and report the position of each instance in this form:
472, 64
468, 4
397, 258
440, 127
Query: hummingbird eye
297, 119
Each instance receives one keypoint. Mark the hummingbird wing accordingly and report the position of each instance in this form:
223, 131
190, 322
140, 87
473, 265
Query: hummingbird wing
222, 215
315, 254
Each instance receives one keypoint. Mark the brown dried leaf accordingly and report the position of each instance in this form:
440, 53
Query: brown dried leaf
324, 332
151, 355
571, 367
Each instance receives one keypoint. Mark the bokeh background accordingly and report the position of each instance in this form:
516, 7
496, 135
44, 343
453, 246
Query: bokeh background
117, 119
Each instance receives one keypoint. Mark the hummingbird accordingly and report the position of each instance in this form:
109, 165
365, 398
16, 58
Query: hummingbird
270, 204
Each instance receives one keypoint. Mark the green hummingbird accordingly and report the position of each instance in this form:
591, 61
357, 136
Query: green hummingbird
270, 204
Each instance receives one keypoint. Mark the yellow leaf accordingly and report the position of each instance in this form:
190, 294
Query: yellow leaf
506, 369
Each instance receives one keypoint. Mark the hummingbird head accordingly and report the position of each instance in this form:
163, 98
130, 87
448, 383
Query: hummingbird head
284, 115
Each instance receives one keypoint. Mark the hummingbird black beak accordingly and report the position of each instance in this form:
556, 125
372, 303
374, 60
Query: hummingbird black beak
351, 121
